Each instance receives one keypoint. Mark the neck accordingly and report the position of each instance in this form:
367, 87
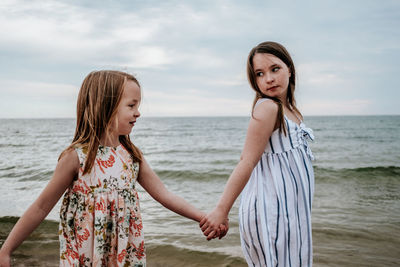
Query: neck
110, 140
285, 103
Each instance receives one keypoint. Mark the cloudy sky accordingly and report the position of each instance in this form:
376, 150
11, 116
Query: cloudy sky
190, 56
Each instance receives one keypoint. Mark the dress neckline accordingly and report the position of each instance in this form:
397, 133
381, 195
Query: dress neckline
112, 147
298, 124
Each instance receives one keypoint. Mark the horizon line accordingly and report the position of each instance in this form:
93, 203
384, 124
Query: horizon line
204, 116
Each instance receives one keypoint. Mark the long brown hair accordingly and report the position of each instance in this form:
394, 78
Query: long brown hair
97, 104
280, 52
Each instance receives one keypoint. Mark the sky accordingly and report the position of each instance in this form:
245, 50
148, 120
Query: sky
190, 56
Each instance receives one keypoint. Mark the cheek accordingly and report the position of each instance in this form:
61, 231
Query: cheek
116, 121
259, 83
113, 125
284, 79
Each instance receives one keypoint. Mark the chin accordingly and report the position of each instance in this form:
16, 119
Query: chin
273, 95
124, 132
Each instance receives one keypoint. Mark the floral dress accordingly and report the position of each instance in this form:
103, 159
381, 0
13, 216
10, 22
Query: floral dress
100, 221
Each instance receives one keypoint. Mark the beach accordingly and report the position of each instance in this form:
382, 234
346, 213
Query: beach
356, 208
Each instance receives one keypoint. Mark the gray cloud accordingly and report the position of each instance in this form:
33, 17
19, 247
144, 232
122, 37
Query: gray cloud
343, 50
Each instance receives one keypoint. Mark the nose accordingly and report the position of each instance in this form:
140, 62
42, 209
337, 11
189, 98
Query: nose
137, 114
269, 78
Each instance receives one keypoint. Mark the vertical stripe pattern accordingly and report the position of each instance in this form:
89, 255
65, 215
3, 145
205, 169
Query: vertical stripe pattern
275, 207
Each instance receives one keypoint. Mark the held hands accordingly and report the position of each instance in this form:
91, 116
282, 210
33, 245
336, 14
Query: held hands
215, 224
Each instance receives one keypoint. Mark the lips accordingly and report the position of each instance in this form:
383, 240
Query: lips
272, 88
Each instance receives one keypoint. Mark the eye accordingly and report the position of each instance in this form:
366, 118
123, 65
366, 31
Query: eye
275, 69
259, 74
131, 105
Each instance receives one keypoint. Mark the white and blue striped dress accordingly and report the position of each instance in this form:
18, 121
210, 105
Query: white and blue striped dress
275, 207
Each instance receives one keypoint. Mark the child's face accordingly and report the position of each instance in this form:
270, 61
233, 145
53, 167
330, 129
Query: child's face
128, 108
272, 75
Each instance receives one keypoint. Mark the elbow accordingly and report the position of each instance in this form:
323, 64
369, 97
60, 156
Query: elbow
247, 163
43, 208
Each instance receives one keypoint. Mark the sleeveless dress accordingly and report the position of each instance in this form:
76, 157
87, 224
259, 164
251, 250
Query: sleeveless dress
100, 220
275, 206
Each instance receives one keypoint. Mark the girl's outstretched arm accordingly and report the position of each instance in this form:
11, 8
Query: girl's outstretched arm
149, 180
67, 168
260, 128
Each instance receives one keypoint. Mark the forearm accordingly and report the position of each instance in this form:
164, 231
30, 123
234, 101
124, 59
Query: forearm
236, 182
149, 180
67, 168
233, 188
29, 221
181, 206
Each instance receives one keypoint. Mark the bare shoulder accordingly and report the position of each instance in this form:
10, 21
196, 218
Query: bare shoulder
266, 110
69, 154
143, 162
69, 160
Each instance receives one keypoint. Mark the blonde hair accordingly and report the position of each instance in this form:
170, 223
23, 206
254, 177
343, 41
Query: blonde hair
97, 104
280, 52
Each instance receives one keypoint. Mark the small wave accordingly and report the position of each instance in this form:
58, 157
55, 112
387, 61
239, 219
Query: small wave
157, 254
194, 175
41, 248
320, 173
12, 145
47, 229
363, 172
40, 176
8, 168
184, 150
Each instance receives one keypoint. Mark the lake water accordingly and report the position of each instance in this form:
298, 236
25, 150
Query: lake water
356, 209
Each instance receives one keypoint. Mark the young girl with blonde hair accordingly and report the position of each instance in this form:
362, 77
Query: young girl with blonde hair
274, 175
100, 219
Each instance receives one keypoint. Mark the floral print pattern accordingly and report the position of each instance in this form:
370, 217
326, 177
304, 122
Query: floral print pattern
100, 220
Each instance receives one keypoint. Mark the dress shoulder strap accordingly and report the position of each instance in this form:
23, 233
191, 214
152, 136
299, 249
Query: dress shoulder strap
297, 117
261, 100
82, 154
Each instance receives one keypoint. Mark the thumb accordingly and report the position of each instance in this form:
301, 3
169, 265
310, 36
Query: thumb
203, 221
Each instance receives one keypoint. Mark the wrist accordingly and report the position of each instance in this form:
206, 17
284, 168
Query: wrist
222, 209
5, 253
200, 216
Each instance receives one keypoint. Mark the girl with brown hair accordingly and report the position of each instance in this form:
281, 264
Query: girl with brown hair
100, 219
274, 175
